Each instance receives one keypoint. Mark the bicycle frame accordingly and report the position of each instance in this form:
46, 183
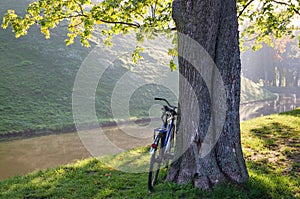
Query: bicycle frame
164, 131
162, 143
169, 133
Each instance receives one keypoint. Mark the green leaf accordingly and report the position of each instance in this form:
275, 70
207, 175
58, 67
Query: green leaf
172, 65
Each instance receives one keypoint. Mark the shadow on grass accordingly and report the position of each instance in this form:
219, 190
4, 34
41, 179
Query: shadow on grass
264, 183
281, 140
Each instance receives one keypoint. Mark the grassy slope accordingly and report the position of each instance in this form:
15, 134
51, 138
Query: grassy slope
36, 78
252, 92
271, 147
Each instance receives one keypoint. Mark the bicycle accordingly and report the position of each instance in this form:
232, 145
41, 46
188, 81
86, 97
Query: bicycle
162, 148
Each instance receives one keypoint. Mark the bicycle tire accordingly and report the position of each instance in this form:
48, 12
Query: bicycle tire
155, 160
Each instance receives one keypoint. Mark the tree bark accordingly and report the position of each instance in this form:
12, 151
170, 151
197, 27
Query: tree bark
213, 24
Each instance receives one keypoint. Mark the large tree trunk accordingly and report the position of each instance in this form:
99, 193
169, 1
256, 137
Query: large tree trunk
213, 24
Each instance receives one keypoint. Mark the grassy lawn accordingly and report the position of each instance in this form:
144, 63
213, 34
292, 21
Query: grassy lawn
271, 147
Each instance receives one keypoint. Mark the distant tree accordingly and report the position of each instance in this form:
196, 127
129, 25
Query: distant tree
275, 65
289, 62
214, 25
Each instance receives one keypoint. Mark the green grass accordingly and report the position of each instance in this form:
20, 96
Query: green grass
271, 146
36, 78
271, 149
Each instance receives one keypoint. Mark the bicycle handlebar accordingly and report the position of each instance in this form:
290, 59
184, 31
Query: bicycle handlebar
162, 99
168, 108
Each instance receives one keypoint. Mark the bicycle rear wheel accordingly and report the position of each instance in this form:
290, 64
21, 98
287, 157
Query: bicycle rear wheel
155, 163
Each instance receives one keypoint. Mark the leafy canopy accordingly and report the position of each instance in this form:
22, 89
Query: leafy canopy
147, 17
261, 20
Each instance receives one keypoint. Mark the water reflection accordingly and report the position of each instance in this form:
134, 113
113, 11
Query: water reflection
23, 156
283, 102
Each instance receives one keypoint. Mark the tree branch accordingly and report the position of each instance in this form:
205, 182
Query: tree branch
286, 4
80, 6
137, 25
245, 7
70, 16
251, 39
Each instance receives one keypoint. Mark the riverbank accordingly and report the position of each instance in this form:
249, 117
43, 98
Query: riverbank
247, 111
285, 90
271, 148
9, 136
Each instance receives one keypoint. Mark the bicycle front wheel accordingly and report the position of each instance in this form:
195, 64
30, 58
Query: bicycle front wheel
170, 148
155, 163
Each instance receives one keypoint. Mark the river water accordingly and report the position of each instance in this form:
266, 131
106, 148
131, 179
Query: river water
23, 156
283, 102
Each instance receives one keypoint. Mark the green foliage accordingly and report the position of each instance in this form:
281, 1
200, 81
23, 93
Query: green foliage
274, 172
146, 17
261, 18
172, 65
262, 21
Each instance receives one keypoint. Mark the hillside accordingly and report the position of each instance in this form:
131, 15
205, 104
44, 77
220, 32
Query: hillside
37, 78
252, 92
